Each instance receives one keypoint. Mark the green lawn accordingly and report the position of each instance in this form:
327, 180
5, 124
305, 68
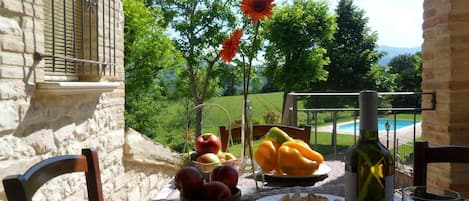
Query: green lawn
261, 103
405, 149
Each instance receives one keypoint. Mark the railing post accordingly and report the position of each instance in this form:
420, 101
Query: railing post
315, 129
294, 112
334, 132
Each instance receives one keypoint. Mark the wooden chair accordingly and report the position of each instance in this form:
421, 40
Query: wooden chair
260, 130
438, 154
22, 187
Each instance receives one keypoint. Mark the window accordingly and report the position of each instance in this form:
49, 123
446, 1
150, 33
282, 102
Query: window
79, 39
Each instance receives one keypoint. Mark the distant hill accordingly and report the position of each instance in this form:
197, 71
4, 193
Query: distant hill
394, 51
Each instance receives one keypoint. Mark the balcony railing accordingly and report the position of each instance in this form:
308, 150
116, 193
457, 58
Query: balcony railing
395, 139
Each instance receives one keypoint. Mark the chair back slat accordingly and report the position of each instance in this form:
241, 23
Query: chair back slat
423, 154
22, 187
260, 130
93, 176
450, 154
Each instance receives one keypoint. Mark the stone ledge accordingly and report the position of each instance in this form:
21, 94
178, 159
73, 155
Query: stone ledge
72, 88
142, 150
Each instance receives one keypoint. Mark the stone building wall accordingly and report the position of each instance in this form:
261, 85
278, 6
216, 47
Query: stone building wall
38, 121
446, 71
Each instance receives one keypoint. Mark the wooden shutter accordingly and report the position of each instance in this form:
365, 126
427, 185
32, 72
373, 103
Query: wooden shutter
63, 38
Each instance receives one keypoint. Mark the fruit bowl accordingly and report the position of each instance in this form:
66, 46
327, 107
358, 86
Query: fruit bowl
235, 196
206, 168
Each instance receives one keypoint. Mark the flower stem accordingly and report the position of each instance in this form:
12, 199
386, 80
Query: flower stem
246, 80
247, 74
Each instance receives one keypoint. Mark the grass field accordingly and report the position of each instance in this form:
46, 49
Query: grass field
261, 103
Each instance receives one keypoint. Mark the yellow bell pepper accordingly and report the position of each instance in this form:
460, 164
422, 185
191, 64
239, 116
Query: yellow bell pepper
266, 155
292, 162
305, 150
278, 135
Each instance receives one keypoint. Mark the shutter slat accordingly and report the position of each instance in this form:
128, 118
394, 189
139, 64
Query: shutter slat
71, 35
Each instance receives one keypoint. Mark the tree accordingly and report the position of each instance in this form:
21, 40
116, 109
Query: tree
199, 28
147, 51
230, 77
352, 53
294, 54
408, 71
383, 79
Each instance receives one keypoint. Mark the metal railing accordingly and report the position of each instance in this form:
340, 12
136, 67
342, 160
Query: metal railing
313, 113
80, 37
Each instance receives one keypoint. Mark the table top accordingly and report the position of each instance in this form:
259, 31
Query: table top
331, 184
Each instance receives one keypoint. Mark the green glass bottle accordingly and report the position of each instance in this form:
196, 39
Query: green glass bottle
369, 170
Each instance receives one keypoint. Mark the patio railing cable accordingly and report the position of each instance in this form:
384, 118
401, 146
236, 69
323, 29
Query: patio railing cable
313, 113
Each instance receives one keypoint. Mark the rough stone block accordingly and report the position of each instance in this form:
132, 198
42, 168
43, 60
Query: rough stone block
16, 59
11, 43
12, 90
9, 27
139, 148
13, 6
134, 193
18, 166
28, 9
114, 140
42, 141
9, 116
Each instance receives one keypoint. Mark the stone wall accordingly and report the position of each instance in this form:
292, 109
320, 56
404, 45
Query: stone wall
445, 70
36, 124
149, 166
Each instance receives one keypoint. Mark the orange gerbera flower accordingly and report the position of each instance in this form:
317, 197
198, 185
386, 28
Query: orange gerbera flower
257, 9
231, 45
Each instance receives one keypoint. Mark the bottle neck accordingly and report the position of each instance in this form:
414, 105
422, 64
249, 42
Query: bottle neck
368, 135
368, 115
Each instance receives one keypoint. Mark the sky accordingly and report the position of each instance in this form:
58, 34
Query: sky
397, 22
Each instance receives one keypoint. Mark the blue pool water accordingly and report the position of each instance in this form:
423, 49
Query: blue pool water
381, 125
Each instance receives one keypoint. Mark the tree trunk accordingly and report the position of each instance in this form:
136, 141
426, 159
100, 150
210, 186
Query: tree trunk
284, 105
198, 121
289, 117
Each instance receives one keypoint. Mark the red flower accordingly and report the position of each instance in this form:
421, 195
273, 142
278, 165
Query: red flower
231, 45
257, 9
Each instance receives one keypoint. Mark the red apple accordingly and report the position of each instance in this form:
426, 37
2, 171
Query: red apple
208, 158
226, 174
215, 190
188, 181
207, 143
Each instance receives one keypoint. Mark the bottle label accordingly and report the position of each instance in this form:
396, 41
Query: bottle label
351, 189
389, 187
350, 179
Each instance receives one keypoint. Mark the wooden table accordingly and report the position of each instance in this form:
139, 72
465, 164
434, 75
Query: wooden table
333, 185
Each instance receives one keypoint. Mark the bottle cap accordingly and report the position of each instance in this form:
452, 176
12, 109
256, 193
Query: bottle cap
368, 110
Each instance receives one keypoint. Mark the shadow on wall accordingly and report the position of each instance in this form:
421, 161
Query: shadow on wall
49, 112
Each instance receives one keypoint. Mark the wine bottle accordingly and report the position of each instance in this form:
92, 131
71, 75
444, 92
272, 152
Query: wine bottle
369, 170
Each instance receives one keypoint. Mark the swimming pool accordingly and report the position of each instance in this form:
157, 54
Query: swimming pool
400, 123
